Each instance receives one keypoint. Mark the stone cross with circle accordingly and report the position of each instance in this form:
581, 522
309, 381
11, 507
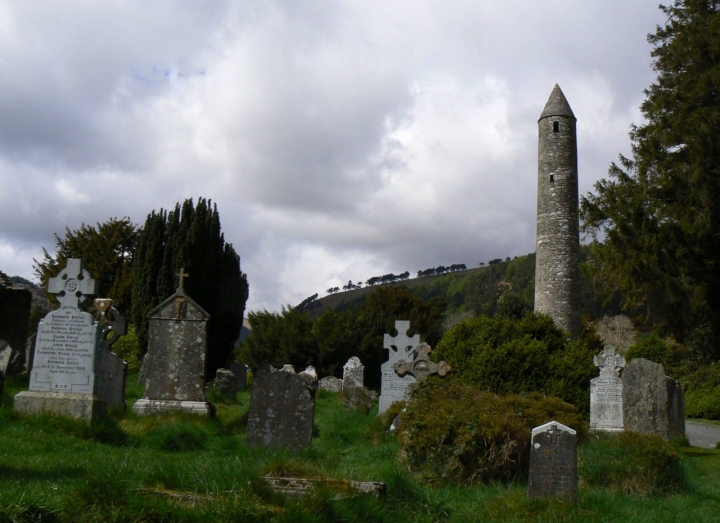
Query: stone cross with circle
73, 284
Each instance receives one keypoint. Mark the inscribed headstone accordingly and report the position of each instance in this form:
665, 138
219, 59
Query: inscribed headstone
63, 377
226, 382
645, 401
553, 462
330, 384
393, 387
606, 406
174, 366
282, 410
675, 408
355, 370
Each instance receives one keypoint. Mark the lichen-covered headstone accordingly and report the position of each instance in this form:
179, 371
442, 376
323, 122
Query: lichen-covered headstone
354, 370
226, 382
393, 387
553, 462
355, 396
282, 410
675, 408
174, 366
645, 401
111, 368
606, 407
63, 377
330, 384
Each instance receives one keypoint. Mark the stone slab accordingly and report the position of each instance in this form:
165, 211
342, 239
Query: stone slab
65, 352
73, 405
110, 379
355, 396
675, 407
147, 407
645, 400
282, 411
553, 462
330, 384
295, 488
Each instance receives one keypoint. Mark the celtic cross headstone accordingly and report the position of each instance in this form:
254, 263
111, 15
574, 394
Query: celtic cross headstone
63, 376
606, 392
400, 347
422, 366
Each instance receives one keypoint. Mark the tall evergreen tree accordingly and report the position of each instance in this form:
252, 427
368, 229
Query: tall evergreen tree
190, 237
659, 211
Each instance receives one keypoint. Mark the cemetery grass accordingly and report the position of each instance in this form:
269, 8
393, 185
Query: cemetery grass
184, 468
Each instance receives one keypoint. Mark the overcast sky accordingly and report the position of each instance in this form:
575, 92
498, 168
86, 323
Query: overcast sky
340, 139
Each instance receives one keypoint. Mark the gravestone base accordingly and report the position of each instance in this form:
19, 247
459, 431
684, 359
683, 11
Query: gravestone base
605, 430
85, 407
146, 407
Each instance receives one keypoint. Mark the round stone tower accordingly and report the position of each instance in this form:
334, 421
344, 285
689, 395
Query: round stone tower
557, 276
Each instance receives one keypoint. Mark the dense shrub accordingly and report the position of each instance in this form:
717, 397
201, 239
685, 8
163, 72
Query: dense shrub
702, 399
128, 348
631, 463
508, 355
454, 432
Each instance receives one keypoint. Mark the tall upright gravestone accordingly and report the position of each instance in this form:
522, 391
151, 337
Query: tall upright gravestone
111, 368
553, 462
173, 370
62, 380
401, 347
645, 399
606, 392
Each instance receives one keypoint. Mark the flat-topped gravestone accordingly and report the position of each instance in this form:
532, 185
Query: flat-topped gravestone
675, 407
606, 401
330, 384
645, 400
240, 370
111, 368
553, 462
282, 410
174, 366
393, 387
354, 370
63, 376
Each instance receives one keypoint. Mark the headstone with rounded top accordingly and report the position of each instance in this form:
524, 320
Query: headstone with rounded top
393, 387
330, 384
63, 376
553, 462
606, 392
355, 370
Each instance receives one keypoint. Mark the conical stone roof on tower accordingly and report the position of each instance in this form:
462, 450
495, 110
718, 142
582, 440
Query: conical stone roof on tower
557, 276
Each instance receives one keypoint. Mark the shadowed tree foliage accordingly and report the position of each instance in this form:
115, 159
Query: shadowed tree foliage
189, 237
659, 211
108, 252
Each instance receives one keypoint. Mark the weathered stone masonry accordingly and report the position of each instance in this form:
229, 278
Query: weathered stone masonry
557, 277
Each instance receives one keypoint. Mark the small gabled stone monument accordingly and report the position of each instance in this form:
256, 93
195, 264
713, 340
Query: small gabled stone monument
401, 347
111, 368
606, 392
174, 367
282, 409
63, 377
355, 370
553, 462
422, 366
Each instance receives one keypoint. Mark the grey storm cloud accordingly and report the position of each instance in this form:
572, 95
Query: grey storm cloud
340, 140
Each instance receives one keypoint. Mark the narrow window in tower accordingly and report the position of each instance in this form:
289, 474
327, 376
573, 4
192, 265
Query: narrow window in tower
552, 178
556, 127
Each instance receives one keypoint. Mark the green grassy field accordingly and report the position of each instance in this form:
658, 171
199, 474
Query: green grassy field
184, 468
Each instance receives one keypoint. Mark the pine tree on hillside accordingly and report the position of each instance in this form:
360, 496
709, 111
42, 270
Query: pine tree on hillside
660, 210
189, 237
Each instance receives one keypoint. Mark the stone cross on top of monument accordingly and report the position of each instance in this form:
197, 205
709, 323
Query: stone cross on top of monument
404, 345
73, 284
182, 275
422, 366
609, 361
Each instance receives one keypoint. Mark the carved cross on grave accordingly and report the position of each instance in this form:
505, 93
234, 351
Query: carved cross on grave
553, 433
421, 367
73, 284
182, 275
404, 345
609, 362
109, 321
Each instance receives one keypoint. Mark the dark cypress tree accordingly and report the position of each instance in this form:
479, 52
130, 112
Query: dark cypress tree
190, 237
660, 210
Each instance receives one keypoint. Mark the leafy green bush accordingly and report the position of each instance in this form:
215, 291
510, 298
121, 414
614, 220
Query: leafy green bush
631, 463
507, 355
457, 433
128, 348
702, 399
